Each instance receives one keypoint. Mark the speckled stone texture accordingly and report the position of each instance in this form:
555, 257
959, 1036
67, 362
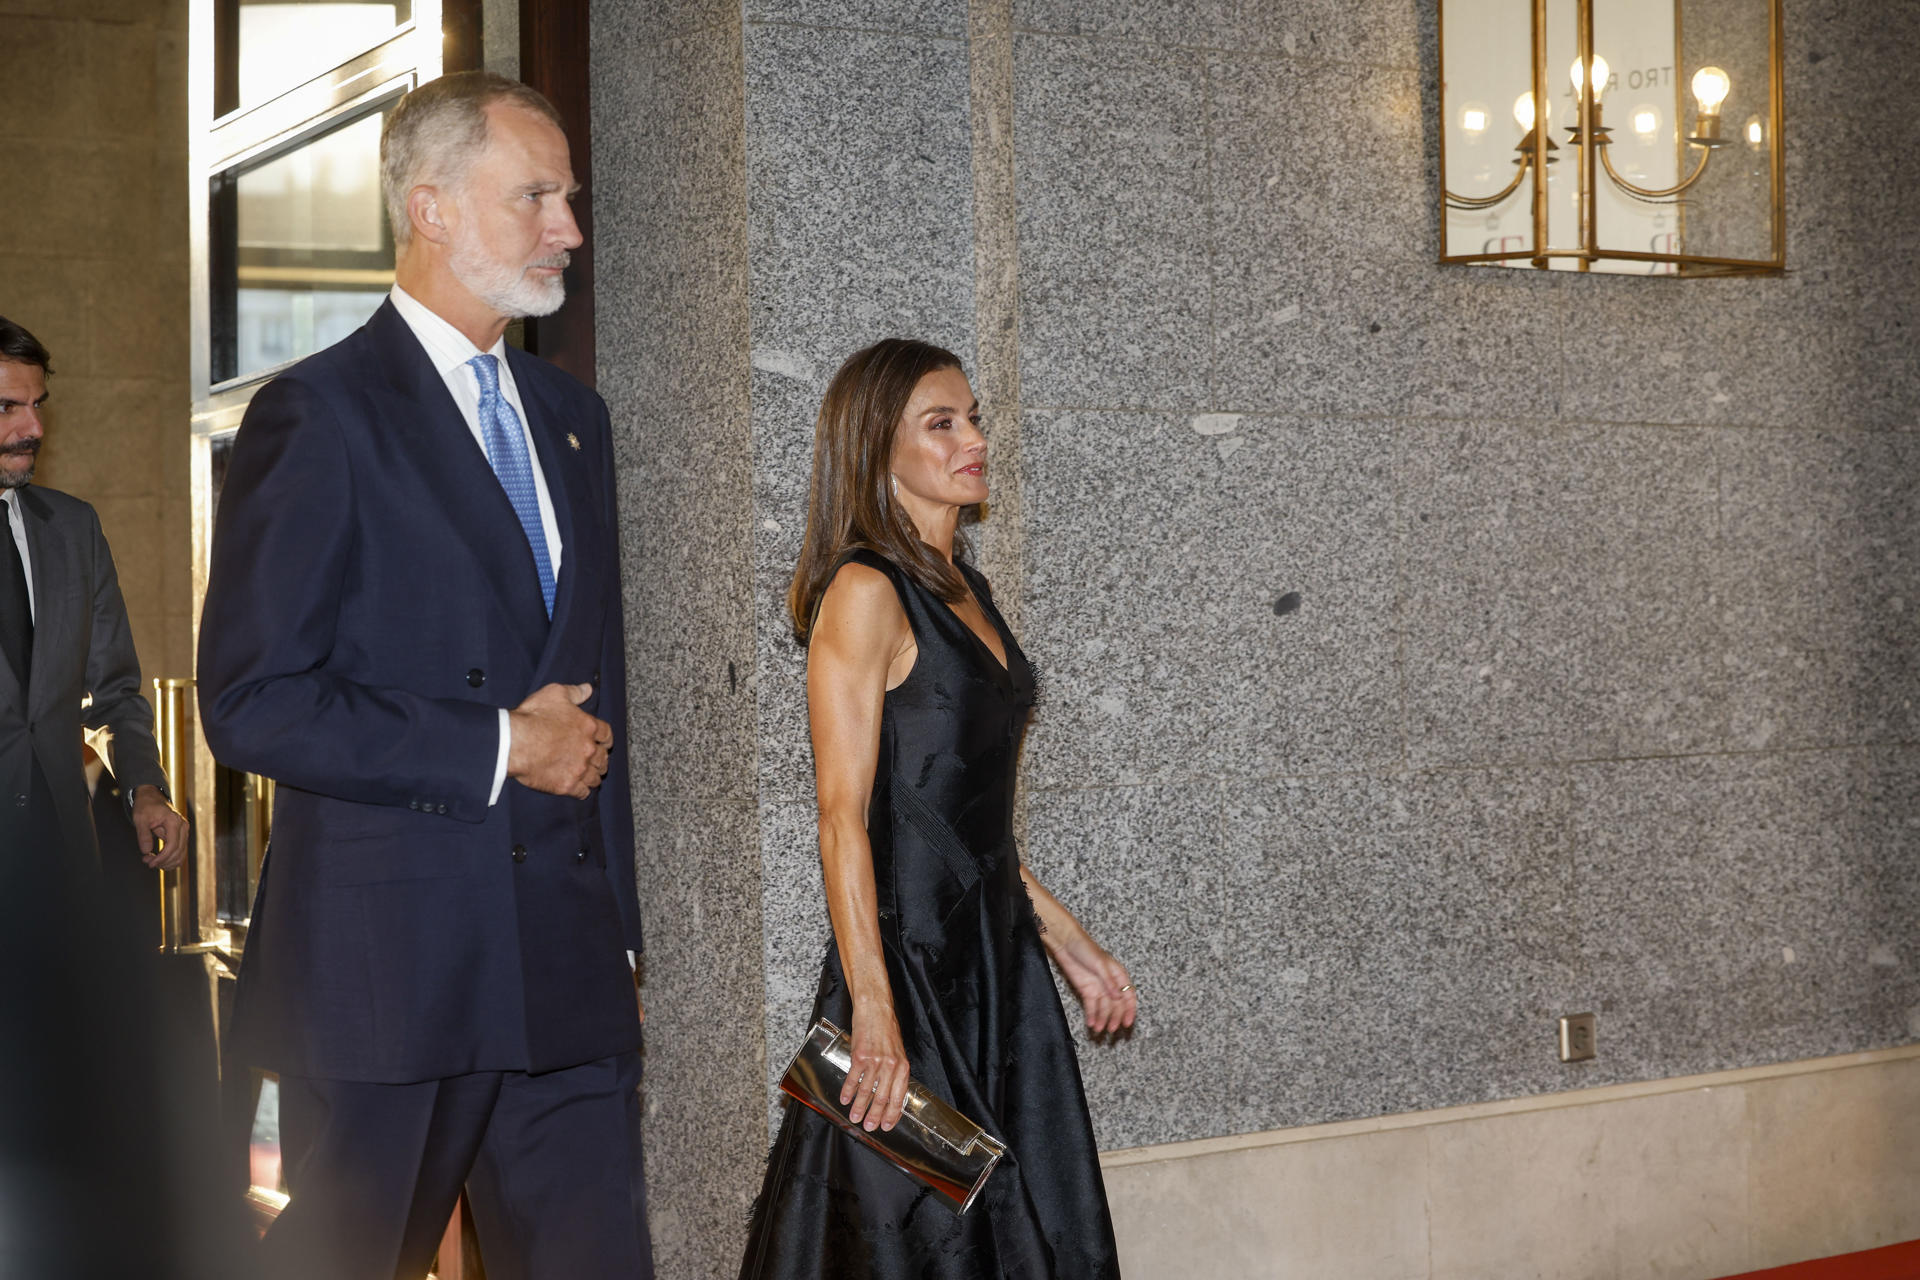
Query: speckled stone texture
1246, 630
1427, 652
1381, 32
1552, 604
672, 322
1110, 176
860, 228
1567, 551
1325, 294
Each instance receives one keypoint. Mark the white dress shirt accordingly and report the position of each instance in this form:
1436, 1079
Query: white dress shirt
17, 525
450, 350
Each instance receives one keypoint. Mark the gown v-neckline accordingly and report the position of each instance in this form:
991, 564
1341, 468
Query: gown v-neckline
1003, 664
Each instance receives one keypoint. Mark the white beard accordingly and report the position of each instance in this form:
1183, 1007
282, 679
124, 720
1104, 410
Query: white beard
508, 289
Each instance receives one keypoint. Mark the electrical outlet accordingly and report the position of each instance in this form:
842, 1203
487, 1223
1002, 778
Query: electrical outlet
1578, 1041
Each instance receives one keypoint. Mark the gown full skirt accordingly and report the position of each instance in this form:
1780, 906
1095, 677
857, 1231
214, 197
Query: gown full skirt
974, 995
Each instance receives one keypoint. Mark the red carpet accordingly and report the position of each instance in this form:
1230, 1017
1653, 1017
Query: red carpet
1895, 1262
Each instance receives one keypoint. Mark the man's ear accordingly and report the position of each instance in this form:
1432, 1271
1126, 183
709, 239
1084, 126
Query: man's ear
423, 211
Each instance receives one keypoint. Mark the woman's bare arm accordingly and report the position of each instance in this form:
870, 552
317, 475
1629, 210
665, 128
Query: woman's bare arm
859, 638
1106, 992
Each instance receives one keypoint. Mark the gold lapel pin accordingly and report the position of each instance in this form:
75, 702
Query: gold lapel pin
573, 440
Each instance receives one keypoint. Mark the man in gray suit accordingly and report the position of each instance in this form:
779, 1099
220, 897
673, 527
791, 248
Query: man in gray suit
63, 637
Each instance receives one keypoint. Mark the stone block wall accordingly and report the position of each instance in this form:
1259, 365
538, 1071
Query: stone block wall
1428, 651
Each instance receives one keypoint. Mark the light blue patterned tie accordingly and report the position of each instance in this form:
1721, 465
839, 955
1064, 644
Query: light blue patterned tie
507, 451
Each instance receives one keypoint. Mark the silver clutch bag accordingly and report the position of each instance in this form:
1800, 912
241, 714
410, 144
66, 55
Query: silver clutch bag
933, 1143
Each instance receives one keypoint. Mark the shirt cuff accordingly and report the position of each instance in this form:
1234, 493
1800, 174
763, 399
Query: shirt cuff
632, 963
500, 765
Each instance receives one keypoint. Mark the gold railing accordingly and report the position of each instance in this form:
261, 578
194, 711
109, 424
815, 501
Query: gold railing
173, 727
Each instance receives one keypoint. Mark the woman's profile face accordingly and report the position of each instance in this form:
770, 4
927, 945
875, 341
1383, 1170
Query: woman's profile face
939, 453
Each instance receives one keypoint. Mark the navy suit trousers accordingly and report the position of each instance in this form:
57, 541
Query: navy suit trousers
374, 1170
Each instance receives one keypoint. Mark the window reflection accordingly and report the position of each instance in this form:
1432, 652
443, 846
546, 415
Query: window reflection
302, 253
264, 1170
269, 46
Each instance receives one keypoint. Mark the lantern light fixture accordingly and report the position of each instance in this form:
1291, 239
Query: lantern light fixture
1677, 202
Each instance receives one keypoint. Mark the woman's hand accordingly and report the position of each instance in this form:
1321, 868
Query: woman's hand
877, 1081
1101, 982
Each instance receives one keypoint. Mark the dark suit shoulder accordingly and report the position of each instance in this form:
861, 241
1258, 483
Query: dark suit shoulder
556, 383
343, 364
322, 387
57, 507
73, 517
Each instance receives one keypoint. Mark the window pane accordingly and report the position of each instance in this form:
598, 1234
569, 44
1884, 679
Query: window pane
269, 46
301, 251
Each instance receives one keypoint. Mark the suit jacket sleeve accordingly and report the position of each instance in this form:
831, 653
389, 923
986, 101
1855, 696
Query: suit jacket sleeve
113, 674
268, 702
616, 802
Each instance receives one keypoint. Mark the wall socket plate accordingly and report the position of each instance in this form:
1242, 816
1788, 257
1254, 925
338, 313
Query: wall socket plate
1578, 1041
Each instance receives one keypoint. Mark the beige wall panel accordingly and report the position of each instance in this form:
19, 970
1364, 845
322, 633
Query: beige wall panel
1672, 1177
44, 63
140, 323
1836, 1162
123, 95
96, 159
106, 437
1519, 1196
160, 12
85, 199
1353, 1208
1698, 1179
134, 530
48, 296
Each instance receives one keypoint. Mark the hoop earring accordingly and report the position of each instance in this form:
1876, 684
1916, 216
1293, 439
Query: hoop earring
895, 481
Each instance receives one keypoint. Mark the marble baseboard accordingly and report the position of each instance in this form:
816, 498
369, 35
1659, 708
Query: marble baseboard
1687, 1179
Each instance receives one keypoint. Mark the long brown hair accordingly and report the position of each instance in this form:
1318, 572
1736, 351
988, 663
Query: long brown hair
852, 506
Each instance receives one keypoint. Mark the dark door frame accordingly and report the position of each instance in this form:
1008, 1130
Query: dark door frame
554, 58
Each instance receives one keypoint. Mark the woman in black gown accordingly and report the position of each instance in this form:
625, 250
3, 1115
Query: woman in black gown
917, 696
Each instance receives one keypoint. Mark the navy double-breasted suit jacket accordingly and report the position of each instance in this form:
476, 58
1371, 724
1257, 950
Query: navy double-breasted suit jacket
372, 603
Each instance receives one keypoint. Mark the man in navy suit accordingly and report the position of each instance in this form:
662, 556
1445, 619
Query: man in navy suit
413, 624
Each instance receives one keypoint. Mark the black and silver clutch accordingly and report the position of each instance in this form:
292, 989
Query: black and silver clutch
933, 1144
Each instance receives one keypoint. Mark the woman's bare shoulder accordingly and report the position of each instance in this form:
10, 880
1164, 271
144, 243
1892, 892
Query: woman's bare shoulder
860, 600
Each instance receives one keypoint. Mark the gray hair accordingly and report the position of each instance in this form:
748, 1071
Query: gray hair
437, 132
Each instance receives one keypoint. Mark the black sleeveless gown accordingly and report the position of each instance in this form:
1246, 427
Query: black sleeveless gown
974, 995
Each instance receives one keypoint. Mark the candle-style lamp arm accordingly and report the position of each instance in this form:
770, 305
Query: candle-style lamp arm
1487, 202
1522, 164
1648, 193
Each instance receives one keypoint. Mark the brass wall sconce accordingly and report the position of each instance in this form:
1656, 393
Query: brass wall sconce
1677, 191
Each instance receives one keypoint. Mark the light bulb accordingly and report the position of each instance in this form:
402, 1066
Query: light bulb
1523, 112
1756, 132
1473, 118
1646, 121
1710, 88
1600, 73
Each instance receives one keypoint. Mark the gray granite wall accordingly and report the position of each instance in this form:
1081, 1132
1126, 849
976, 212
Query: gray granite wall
673, 315
1428, 652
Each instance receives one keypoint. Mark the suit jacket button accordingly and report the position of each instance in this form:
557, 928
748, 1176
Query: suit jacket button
414, 805
580, 856
519, 853
596, 680
440, 808
20, 801
476, 678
